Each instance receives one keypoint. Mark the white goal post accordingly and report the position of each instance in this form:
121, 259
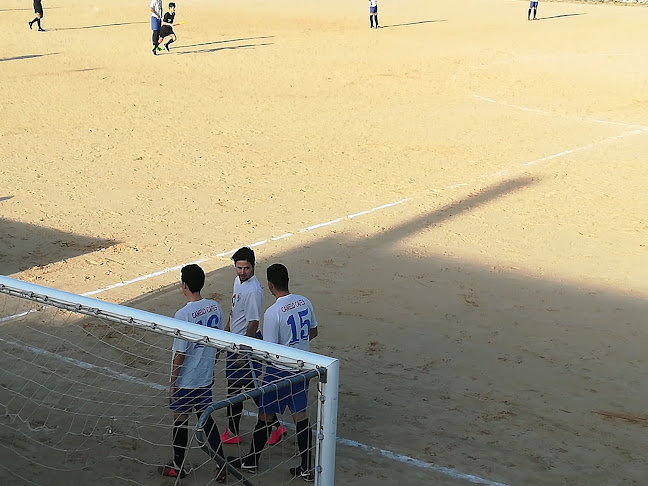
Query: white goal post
37, 299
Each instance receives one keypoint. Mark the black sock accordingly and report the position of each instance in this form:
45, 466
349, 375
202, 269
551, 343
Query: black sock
38, 22
180, 438
259, 439
234, 412
170, 42
371, 20
304, 443
376, 20
213, 436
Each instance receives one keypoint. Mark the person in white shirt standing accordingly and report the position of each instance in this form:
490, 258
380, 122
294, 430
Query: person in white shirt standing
247, 303
192, 373
156, 23
290, 321
373, 13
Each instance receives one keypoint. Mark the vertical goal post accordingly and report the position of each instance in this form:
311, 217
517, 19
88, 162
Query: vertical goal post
326, 368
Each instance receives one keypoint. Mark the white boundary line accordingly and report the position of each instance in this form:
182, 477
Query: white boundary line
452, 473
549, 113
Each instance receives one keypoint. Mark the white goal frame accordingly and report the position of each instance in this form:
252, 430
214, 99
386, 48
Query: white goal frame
328, 368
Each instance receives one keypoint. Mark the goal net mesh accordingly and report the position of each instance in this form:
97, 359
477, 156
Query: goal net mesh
84, 399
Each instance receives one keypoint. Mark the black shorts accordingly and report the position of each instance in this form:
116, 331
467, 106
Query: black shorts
166, 31
38, 7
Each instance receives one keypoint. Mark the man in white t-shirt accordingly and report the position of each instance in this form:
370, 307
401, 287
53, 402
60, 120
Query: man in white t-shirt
290, 321
247, 302
192, 373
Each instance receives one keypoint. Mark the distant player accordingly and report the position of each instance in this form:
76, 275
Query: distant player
192, 373
373, 14
167, 27
156, 24
38, 10
532, 6
290, 321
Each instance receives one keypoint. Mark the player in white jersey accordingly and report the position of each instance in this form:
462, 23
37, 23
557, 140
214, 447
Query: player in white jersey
192, 373
373, 13
533, 6
289, 321
247, 302
156, 23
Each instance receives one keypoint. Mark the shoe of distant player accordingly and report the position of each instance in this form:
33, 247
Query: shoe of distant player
277, 435
166, 46
159, 49
226, 438
154, 52
30, 24
298, 472
171, 471
41, 30
246, 463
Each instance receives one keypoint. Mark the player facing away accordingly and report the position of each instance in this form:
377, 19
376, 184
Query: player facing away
192, 373
156, 24
290, 321
532, 6
167, 27
373, 14
38, 10
245, 314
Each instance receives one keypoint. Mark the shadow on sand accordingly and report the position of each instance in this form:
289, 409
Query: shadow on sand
559, 16
23, 245
411, 23
216, 49
27, 56
119, 24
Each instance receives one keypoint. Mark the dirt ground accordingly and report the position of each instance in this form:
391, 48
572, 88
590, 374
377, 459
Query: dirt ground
482, 274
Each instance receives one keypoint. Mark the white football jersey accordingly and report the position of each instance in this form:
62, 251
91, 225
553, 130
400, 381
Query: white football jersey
198, 368
247, 302
288, 321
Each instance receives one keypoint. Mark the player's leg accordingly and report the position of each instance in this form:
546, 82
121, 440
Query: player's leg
232, 435
278, 433
171, 41
297, 405
376, 18
213, 438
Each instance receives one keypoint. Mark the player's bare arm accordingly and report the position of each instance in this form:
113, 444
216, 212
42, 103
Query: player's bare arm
178, 361
252, 328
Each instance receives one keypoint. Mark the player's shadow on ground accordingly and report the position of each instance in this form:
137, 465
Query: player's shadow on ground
23, 245
412, 23
223, 41
216, 49
117, 24
559, 16
27, 56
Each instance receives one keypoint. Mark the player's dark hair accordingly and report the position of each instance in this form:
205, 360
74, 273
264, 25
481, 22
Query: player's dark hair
278, 275
172, 5
246, 253
193, 276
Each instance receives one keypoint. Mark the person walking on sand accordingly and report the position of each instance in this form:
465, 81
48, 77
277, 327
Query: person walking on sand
38, 10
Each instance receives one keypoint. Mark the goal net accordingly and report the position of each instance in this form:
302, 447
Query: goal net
84, 396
